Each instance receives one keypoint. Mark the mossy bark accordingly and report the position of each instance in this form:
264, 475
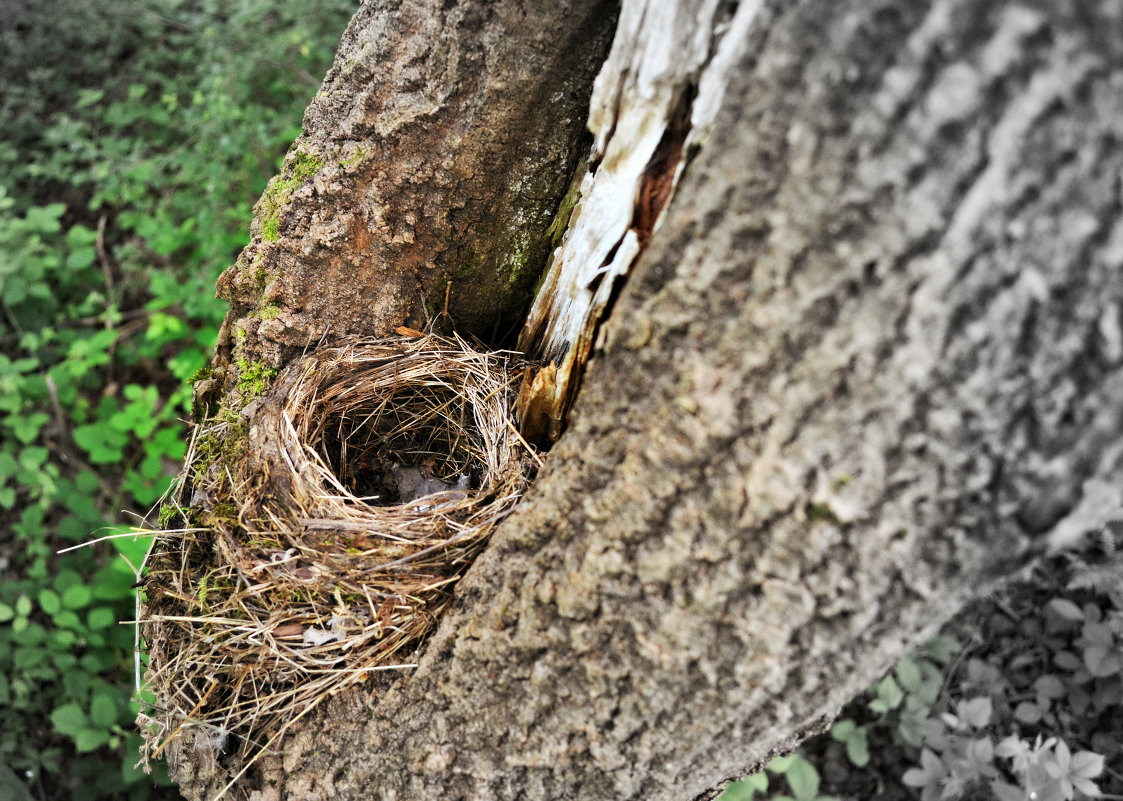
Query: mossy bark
432, 161
870, 363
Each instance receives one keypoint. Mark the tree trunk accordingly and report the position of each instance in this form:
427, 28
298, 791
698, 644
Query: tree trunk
870, 362
435, 153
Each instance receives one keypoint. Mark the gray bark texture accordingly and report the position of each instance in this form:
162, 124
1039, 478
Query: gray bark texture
870, 362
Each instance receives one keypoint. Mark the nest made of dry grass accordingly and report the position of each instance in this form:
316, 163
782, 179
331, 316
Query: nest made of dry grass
310, 571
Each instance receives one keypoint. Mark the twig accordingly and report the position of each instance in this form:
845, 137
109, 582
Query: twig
103, 258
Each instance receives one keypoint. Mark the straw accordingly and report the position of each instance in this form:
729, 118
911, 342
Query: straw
299, 569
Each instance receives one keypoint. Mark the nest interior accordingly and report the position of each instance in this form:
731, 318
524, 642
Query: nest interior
325, 537
413, 442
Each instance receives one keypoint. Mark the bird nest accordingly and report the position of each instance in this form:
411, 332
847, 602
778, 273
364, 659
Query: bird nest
331, 526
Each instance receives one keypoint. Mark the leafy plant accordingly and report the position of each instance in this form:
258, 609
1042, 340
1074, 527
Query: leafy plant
800, 776
64, 656
1048, 771
135, 135
1027, 711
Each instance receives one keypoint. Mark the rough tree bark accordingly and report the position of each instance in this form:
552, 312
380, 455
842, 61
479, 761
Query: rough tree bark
436, 151
871, 361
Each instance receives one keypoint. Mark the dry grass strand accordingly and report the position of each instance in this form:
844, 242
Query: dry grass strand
371, 476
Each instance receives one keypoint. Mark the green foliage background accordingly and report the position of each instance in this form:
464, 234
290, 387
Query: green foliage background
135, 136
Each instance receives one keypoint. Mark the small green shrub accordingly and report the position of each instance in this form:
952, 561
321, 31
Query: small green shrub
64, 658
135, 136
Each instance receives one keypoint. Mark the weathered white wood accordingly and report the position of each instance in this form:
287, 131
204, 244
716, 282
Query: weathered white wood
665, 52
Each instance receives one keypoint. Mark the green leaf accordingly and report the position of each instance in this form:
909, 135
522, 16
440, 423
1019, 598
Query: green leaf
114, 581
33, 457
942, 648
77, 596
781, 764
66, 579
69, 719
44, 219
71, 528
889, 696
69, 620
121, 637
101, 617
843, 729
88, 97
103, 711
90, 739
909, 675
94, 639
87, 353
49, 601
134, 548
103, 443
98, 661
86, 481
745, 789
28, 658
8, 465
30, 525
84, 506
858, 748
23, 606
165, 327
26, 427
803, 779
77, 683
80, 236
6, 613
11, 788
63, 639
80, 258
34, 635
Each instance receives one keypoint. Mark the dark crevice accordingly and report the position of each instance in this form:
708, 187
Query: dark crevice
659, 175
